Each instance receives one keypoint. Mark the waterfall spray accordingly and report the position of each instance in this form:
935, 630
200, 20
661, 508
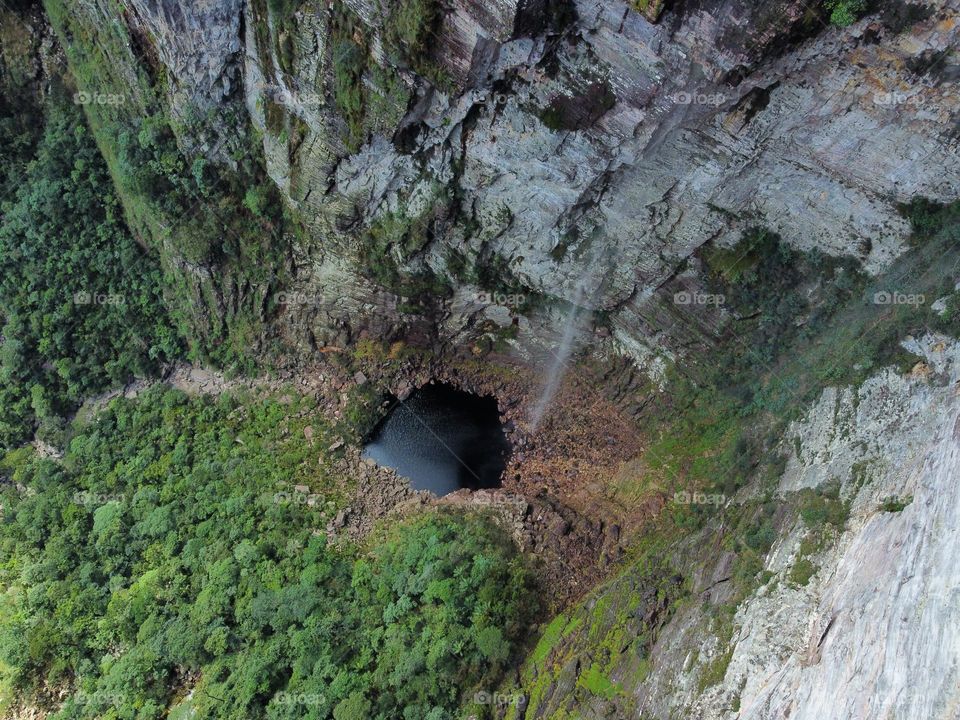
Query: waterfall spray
555, 371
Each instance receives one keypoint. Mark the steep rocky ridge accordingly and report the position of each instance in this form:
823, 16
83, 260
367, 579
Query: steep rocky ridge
818, 143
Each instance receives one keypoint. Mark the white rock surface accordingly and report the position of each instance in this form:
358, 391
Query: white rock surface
875, 635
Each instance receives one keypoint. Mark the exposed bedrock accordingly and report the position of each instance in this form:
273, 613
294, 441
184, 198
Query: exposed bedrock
577, 143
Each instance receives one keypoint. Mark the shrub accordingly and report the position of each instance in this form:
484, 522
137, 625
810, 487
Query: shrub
823, 506
894, 504
801, 572
845, 12
408, 31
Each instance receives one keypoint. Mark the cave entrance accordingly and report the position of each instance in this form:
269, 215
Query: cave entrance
442, 439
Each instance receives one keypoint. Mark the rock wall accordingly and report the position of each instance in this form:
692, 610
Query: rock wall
581, 148
602, 155
874, 634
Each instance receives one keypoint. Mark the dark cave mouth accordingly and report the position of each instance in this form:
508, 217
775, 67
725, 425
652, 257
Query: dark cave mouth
443, 439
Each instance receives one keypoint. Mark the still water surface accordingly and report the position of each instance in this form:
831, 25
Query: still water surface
443, 439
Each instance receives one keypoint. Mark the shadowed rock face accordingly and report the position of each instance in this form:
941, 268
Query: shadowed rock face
581, 140
199, 43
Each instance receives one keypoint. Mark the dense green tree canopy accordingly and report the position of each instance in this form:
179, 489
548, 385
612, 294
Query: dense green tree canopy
164, 555
80, 300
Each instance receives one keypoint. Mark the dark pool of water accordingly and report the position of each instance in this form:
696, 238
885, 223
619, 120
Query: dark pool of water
443, 439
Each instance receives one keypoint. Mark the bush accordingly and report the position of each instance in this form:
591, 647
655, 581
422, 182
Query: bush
801, 572
928, 218
443, 601
845, 12
823, 506
894, 504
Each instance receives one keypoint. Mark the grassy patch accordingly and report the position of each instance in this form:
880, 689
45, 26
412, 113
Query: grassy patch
559, 627
594, 681
715, 671
801, 572
894, 504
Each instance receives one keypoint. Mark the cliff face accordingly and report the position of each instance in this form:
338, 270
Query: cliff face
874, 633
868, 630
578, 147
604, 153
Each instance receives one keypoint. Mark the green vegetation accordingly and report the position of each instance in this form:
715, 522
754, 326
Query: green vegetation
595, 681
929, 219
220, 258
616, 627
394, 239
714, 671
170, 553
283, 8
894, 504
778, 296
410, 27
823, 506
82, 303
370, 98
559, 627
650, 8
408, 36
349, 65
845, 12
801, 572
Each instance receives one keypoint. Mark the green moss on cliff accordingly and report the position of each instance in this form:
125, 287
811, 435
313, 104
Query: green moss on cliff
408, 36
392, 243
349, 56
601, 647
370, 98
221, 260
